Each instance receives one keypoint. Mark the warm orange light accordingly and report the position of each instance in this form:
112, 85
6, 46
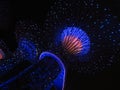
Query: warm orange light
1, 54
72, 44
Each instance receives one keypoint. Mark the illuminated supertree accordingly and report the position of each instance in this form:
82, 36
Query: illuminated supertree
99, 29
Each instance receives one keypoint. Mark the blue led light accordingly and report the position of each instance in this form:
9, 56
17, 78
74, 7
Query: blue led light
27, 49
60, 80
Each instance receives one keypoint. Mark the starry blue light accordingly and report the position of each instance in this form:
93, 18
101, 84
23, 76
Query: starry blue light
27, 49
65, 17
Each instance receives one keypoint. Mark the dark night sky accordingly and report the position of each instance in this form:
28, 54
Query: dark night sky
36, 11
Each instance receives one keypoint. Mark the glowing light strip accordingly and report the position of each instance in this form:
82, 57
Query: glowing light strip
63, 71
17, 76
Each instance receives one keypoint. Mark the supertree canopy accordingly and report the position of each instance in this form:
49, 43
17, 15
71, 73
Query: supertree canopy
75, 41
86, 34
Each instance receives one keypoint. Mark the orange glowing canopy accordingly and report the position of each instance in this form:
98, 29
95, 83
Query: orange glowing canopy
72, 44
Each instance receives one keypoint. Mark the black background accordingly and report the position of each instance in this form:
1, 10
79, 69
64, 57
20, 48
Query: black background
37, 11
